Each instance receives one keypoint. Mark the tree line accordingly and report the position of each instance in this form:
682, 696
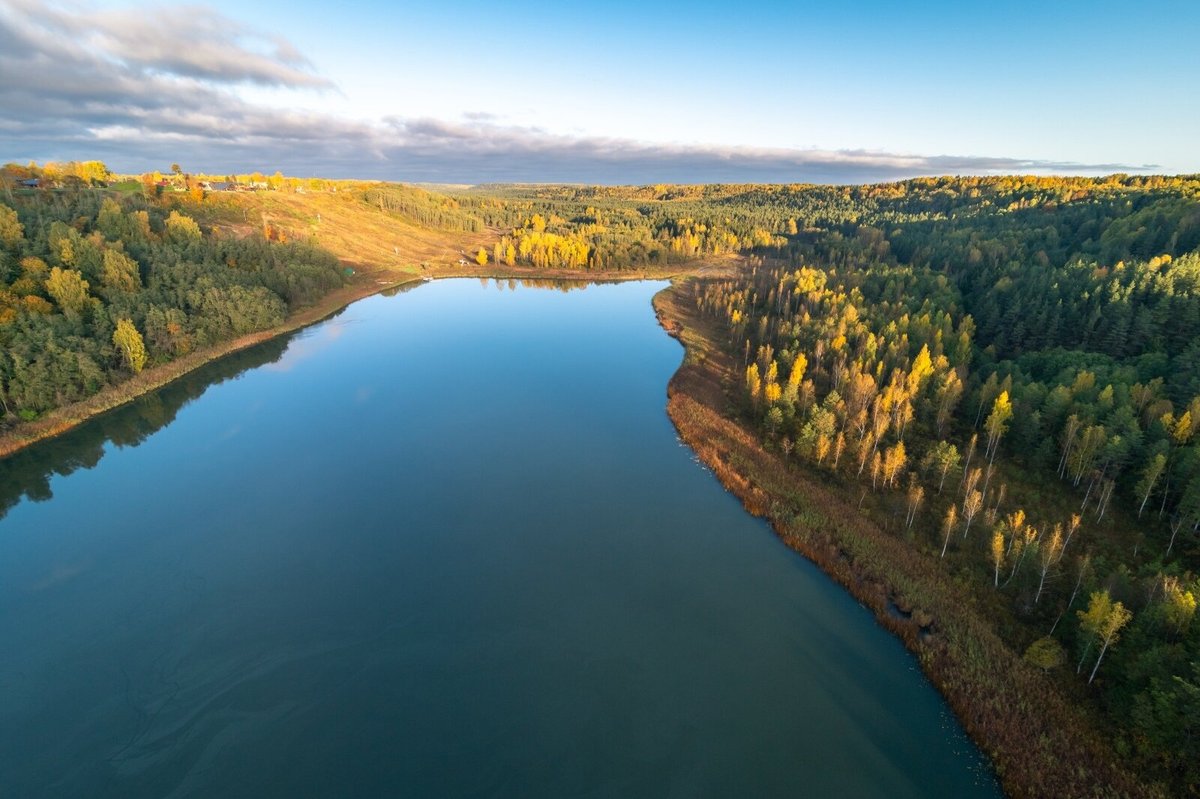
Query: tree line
95, 286
1009, 367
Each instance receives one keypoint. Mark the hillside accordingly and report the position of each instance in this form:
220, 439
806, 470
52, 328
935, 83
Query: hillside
387, 244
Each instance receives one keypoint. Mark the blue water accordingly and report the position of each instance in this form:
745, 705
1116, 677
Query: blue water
444, 544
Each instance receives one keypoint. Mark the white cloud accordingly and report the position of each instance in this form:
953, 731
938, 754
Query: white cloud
142, 87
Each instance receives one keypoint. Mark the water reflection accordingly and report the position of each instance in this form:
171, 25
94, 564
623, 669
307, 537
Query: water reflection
28, 473
564, 286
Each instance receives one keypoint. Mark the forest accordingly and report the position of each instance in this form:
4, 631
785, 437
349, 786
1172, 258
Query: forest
1009, 369
96, 286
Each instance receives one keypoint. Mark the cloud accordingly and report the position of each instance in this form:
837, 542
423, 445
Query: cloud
145, 87
183, 41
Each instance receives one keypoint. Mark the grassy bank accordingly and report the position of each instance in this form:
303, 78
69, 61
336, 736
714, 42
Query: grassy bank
1040, 744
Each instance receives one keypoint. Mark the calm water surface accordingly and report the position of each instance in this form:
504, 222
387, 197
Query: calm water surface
444, 544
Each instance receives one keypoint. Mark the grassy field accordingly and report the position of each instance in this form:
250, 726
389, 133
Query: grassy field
364, 237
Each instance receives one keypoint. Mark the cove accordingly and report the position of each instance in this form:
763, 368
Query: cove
443, 544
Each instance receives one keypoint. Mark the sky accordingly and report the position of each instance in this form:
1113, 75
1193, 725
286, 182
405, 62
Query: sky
615, 92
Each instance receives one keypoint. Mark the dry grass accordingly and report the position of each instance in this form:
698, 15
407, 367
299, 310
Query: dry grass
359, 234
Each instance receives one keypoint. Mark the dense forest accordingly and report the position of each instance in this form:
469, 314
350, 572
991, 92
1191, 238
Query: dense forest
1012, 368
597, 229
97, 285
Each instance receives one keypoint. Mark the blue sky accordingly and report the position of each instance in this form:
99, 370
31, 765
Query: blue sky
609, 92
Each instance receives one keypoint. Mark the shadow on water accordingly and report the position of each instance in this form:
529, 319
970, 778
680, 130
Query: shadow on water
402, 288
28, 473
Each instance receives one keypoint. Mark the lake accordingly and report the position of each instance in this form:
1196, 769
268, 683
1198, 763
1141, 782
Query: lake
443, 544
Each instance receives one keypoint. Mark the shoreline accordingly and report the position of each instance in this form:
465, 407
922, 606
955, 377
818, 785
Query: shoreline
1037, 743
371, 281
1059, 750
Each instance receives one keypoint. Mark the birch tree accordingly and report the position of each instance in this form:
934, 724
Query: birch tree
1103, 621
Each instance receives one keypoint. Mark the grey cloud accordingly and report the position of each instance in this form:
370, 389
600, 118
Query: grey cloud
143, 88
477, 151
188, 41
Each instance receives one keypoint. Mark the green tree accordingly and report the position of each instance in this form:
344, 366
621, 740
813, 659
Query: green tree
942, 460
1045, 653
949, 393
1167, 719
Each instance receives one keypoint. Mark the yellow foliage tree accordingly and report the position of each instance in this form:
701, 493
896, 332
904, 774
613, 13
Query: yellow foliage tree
795, 376
893, 462
997, 552
69, 290
129, 341
948, 524
1103, 621
182, 227
997, 422
120, 272
11, 230
753, 383
922, 368
1179, 605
